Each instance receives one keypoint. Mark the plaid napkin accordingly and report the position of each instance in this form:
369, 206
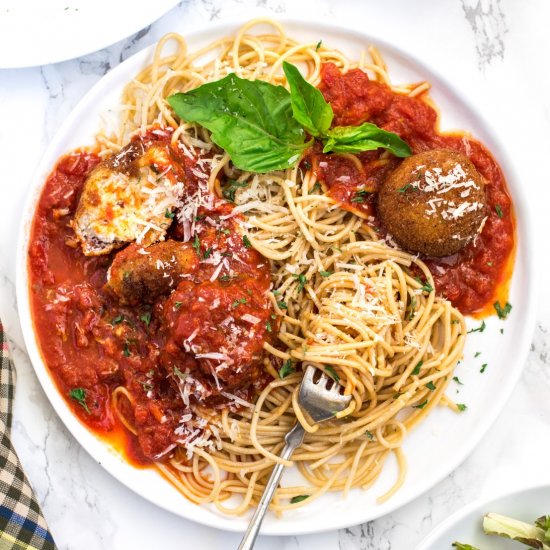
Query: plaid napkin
22, 525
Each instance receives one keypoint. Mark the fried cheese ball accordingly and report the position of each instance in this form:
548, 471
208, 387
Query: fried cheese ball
433, 203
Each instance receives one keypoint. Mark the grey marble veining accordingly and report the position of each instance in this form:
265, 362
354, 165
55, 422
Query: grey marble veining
482, 46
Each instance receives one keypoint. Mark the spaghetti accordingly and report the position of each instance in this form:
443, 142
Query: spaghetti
347, 301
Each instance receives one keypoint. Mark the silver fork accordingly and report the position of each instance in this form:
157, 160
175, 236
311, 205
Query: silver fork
321, 404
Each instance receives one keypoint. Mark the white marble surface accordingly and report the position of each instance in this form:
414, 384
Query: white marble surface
494, 50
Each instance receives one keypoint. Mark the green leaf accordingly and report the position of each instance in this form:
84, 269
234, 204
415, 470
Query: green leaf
502, 311
461, 407
287, 369
366, 137
251, 120
79, 395
298, 498
416, 370
308, 104
460, 546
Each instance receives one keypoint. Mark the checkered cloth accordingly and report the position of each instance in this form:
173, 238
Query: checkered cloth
22, 525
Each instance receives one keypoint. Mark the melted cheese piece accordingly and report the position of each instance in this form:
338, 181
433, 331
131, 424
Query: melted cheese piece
118, 207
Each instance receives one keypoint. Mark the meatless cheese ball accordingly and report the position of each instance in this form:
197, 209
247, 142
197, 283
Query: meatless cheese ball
139, 275
433, 203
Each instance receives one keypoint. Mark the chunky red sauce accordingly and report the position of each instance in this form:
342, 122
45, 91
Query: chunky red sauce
475, 277
92, 343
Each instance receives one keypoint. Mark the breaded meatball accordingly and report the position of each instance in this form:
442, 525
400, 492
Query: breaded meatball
139, 275
433, 203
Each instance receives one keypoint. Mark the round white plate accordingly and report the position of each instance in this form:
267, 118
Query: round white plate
436, 447
37, 32
466, 526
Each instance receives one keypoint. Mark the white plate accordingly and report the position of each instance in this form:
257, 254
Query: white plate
436, 447
36, 32
466, 525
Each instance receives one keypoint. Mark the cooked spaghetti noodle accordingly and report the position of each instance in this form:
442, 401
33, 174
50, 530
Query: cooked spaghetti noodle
363, 311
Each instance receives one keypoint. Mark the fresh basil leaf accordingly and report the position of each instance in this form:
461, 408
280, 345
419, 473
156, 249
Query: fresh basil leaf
366, 137
308, 104
251, 120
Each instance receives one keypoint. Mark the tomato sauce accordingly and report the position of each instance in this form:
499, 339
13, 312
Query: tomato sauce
475, 277
93, 345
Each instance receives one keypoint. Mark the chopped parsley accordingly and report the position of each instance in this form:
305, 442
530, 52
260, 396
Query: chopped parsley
246, 241
430, 386
502, 311
426, 287
498, 210
146, 317
237, 303
333, 374
268, 326
422, 405
168, 214
229, 192
118, 319
413, 308
200, 217
287, 369
483, 367
360, 196
79, 395
226, 231
416, 370
177, 305
369, 435
461, 407
126, 351
457, 380
318, 45
298, 498
455, 322
281, 304
317, 186
301, 281
225, 277
207, 253
325, 273
147, 386
477, 354
197, 244
405, 188
481, 328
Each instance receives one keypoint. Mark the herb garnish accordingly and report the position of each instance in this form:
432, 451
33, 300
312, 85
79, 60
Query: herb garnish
457, 380
502, 311
287, 369
146, 317
126, 351
422, 405
207, 253
461, 407
237, 303
79, 395
416, 370
430, 386
318, 45
118, 319
498, 210
325, 273
281, 304
246, 241
177, 305
405, 188
426, 286
481, 328
263, 126
369, 435
168, 214
196, 244
268, 326
301, 281
298, 498
483, 367
360, 196
228, 193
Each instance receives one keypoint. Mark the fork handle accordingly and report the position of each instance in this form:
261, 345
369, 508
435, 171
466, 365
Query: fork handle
293, 438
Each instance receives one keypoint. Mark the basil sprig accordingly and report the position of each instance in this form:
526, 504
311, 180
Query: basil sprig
263, 127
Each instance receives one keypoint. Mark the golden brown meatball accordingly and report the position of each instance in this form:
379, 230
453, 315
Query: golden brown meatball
433, 203
139, 275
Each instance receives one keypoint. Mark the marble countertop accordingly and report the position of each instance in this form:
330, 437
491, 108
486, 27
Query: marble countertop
493, 50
